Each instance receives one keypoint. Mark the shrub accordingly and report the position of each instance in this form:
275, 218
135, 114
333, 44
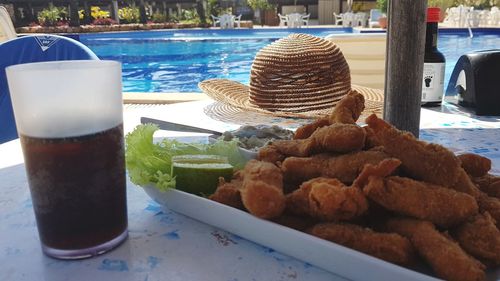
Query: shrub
103, 21
158, 17
129, 14
174, 18
260, 4
51, 16
97, 13
479, 4
382, 6
190, 16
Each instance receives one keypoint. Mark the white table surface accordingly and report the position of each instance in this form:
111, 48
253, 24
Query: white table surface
163, 245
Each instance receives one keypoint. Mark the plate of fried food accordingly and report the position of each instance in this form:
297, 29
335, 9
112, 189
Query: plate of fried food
367, 203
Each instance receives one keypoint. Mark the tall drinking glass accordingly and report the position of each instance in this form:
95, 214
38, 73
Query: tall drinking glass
69, 117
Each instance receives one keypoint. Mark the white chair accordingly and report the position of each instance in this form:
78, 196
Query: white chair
226, 21
237, 20
365, 55
338, 19
7, 30
361, 19
474, 18
215, 20
348, 19
494, 19
462, 16
484, 17
294, 20
283, 20
305, 19
375, 15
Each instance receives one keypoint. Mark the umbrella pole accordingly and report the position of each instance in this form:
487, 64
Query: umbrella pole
404, 64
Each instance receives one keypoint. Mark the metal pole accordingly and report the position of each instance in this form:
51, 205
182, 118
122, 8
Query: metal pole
404, 64
114, 9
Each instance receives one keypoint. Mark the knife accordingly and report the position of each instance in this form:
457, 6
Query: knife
169, 126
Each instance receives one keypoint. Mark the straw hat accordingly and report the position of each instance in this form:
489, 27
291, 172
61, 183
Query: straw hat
297, 76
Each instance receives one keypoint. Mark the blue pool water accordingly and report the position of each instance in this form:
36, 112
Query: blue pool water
176, 60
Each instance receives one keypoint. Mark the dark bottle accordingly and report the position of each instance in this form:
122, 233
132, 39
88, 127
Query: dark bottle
434, 63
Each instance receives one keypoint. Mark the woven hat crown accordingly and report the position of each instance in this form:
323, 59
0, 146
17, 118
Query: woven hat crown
299, 73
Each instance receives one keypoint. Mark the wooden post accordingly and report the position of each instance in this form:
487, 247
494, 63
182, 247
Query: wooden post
74, 16
142, 12
404, 64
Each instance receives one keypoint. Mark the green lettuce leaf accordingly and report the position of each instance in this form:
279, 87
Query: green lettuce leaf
151, 163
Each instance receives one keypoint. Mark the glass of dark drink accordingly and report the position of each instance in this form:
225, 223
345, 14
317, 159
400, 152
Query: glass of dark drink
69, 117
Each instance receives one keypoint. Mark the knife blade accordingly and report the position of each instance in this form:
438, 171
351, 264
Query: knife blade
170, 126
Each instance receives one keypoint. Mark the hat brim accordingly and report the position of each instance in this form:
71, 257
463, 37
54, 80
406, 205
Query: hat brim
226, 113
233, 97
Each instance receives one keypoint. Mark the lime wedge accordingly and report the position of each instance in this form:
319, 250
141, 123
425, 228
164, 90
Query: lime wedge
197, 175
199, 159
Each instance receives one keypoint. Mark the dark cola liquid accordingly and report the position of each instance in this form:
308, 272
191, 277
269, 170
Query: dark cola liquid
78, 187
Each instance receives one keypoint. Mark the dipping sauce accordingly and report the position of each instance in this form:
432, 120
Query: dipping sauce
255, 137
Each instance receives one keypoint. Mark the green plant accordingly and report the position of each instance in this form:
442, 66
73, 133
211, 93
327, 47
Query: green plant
358, 6
479, 4
190, 16
51, 15
443, 4
382, 6
158, 17
213, 7
174, 18
129, 14
97, 13
260, 5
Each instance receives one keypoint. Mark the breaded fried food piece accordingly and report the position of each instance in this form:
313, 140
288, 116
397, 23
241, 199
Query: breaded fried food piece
390, 247
488, 184
490, 205
347, 111
340, 138
429, 162
270, 153
262, 189
327, 199
305, 131
331, 200
380, 170
300, 223
464, 184
445, 256
297, 202
345, 167
475, 165
228, 193
442, 206
371, 140
479, 237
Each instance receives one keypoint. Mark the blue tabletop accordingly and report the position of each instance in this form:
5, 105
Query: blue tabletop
164, 245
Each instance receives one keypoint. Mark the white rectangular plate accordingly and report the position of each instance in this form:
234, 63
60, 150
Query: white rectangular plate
321, 253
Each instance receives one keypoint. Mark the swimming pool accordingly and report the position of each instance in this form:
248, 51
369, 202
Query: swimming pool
176, 60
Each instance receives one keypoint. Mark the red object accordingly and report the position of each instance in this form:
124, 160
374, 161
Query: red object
433, 14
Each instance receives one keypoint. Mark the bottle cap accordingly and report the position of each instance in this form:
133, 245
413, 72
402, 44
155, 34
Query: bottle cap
433, 14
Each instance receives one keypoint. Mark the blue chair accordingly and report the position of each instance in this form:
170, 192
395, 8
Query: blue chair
27, 49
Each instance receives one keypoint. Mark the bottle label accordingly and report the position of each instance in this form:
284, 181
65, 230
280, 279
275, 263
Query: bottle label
433, 82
